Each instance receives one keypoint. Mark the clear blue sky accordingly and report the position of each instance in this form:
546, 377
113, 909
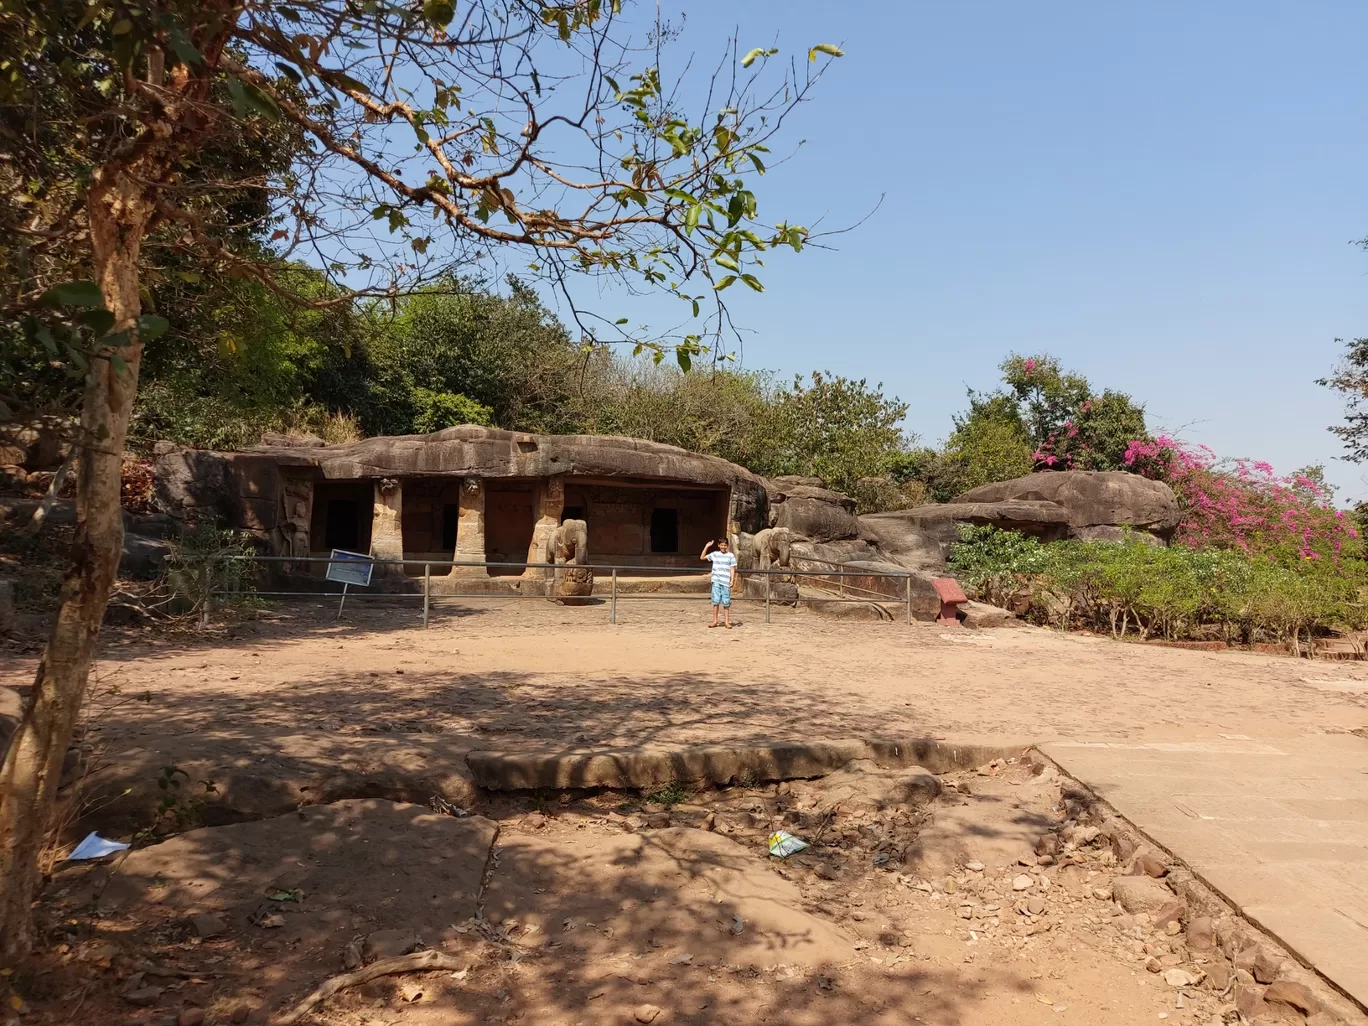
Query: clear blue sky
1162, 194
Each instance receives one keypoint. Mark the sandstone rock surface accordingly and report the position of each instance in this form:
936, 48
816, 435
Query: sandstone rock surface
1091, 498
245, 486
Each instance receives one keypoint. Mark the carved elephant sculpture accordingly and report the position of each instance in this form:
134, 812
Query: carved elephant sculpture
572, 582
772, 547
569, 543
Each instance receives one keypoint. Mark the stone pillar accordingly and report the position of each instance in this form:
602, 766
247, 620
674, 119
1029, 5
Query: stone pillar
296, 522
470, 534
387, 536
550, 506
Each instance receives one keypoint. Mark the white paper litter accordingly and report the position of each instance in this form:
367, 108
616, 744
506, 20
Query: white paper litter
782, 844
95, 847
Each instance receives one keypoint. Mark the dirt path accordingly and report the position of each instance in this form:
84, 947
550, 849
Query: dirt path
299, 689
508, 673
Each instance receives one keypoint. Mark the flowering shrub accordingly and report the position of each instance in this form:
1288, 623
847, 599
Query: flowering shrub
1243, 504
1071, 426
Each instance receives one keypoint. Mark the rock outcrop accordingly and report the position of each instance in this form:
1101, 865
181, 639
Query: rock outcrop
811, 511
1100, 504
246, 488
1088, 505
921, 536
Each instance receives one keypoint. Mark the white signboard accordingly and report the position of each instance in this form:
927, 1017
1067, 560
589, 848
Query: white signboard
350, 568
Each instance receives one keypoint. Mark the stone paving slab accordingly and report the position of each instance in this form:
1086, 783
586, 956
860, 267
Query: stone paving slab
1280, 829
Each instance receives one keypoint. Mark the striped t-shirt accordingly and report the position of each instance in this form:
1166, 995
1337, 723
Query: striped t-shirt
722, 567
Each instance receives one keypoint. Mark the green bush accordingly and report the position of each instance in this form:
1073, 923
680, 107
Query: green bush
437, 410
1174, 593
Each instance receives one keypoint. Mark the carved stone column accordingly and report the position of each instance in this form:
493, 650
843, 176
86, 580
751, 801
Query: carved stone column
470, 530
550, 506
387, 536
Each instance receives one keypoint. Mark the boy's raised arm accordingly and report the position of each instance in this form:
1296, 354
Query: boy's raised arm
704, 553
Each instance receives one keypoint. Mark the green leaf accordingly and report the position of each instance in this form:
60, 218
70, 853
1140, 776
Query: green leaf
151, 326
92, 12
695, 307
119, 364
261, 102
289, 72
44, 336
439, 12
827, 48
74, 293
751, 57
753, 282
722, 285
691, 218
239, 97
122, 27
99, 321
621, 320
184, 49
683, 359
759, 164
725, 260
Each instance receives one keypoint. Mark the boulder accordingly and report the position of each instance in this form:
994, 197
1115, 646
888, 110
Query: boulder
1294, 995
921, 537
35, 445
816, 519
1141, 894
782, 492
848, 550
784, 481
143, 558
980, 615
1091, 498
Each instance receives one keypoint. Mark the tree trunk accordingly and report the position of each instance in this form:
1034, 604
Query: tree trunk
31, 773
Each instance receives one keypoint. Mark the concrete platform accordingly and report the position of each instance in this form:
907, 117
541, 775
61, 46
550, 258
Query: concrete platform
1278, 827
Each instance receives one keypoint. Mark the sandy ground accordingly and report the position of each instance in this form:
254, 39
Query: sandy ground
620, 910
521, 673
511, 674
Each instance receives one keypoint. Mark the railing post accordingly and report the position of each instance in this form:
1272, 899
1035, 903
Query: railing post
206, 608
908, 584
768, 575
612, 606
427, 592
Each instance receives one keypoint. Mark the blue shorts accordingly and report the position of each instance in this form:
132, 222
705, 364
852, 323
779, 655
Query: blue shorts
721, 594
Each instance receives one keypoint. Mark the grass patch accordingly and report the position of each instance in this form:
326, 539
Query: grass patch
672, 793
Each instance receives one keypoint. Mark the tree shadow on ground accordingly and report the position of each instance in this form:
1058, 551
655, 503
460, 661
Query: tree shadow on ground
584, 924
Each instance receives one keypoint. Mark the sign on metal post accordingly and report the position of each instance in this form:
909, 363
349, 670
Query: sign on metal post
349, 568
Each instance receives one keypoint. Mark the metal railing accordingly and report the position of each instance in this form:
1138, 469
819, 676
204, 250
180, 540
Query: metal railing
898, 590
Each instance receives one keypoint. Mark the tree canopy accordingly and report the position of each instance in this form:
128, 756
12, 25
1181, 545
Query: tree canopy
155, 148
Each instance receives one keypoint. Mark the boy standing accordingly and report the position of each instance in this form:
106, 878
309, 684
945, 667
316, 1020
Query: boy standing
723, 579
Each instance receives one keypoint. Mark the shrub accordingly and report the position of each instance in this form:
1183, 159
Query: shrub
1180, 592
437, 410
1242, 504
